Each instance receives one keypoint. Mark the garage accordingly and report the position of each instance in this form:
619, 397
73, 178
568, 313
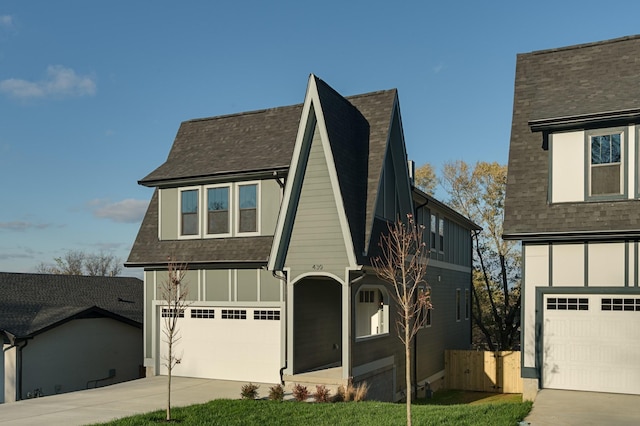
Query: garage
227, 343
591, 342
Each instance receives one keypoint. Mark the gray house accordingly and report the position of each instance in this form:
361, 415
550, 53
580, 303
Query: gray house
62, 333
572, 199
278, 213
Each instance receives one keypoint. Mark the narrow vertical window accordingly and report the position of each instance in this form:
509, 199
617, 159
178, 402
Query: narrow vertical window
441, 234
467, 304
189, 212
457, 304
248, 204
218, 210
432, 228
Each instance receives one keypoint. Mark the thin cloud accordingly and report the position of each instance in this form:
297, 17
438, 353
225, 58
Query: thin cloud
436, 69
59, 82
19, 225
6, 21
125, 211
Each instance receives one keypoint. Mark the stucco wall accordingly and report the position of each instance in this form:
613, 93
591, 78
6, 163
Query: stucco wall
70, 357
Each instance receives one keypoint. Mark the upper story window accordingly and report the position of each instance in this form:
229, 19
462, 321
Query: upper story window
218, 217
432, 227
605, 168
441, 234
248, 208
189, 212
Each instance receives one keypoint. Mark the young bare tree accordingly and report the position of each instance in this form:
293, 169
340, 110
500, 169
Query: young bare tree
403, 264
174, 294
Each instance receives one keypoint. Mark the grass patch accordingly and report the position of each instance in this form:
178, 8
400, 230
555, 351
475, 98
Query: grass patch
263, 412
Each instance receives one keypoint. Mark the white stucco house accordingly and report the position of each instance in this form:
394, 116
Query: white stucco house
573, 199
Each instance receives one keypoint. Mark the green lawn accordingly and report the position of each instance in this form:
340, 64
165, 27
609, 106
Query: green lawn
261, 412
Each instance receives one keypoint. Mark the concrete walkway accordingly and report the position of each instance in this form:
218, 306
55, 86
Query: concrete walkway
560, 407
115, 401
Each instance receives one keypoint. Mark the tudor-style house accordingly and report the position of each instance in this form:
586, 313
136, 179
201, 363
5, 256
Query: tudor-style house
278, 213
573, 199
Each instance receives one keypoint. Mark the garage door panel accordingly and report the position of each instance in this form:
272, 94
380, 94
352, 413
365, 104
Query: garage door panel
590, 349
234, 345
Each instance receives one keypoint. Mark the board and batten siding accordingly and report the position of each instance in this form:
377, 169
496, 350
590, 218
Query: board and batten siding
317, 242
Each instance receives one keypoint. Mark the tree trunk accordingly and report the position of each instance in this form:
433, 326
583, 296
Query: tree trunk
407, 356
169, 380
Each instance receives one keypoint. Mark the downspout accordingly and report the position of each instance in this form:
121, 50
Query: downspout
283, 278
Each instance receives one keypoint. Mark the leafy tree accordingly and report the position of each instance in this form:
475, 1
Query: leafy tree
426, 179
174, 293
78, 262
403, 264
478, 192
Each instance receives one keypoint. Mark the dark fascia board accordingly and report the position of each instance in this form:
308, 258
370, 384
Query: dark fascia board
251, 264
608, 235
430, 201
572, 122
273, 173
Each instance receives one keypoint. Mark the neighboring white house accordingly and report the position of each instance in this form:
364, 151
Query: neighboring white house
63, 333
278, 214
573, 199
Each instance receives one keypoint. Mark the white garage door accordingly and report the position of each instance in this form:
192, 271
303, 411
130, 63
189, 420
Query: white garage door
592, 343
227, 343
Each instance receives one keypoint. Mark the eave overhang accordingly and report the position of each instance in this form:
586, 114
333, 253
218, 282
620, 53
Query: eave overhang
606, 235
428, 200
222, 177
585, 120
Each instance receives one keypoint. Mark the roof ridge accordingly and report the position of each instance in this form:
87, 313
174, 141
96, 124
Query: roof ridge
583, 45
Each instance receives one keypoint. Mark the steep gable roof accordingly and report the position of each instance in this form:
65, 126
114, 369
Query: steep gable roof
32, 303
220, 148
568, 88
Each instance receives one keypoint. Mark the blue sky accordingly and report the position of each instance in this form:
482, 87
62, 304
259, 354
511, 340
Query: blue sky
92, 93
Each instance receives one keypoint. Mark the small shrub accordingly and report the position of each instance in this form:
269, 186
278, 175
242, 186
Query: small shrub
276, 393
249, 391
360, 391
322, 394
300, 393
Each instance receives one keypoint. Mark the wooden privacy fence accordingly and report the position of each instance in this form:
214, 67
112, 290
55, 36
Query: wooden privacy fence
483, 371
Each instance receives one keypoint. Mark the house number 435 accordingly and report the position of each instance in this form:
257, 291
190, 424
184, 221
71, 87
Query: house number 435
317, 267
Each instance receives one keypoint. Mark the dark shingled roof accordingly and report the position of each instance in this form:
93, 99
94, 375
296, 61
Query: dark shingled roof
33, 303
358, 128
592, 80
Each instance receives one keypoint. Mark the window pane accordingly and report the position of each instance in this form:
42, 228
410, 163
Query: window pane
247, 220
190, 201
218, 205
615, 148
248, 196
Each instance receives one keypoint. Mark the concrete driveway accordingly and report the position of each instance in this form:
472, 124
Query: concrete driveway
115, 401
559, 407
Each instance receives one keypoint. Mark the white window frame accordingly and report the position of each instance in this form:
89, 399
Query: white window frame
198, 234
385, 310
236, 209
624, 136
205, 208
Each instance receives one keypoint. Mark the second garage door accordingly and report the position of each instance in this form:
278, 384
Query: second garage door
591, 343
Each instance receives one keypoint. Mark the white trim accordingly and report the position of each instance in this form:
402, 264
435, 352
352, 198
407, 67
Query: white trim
295, 160
205, 209
317, 274
160, 214
198, 234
